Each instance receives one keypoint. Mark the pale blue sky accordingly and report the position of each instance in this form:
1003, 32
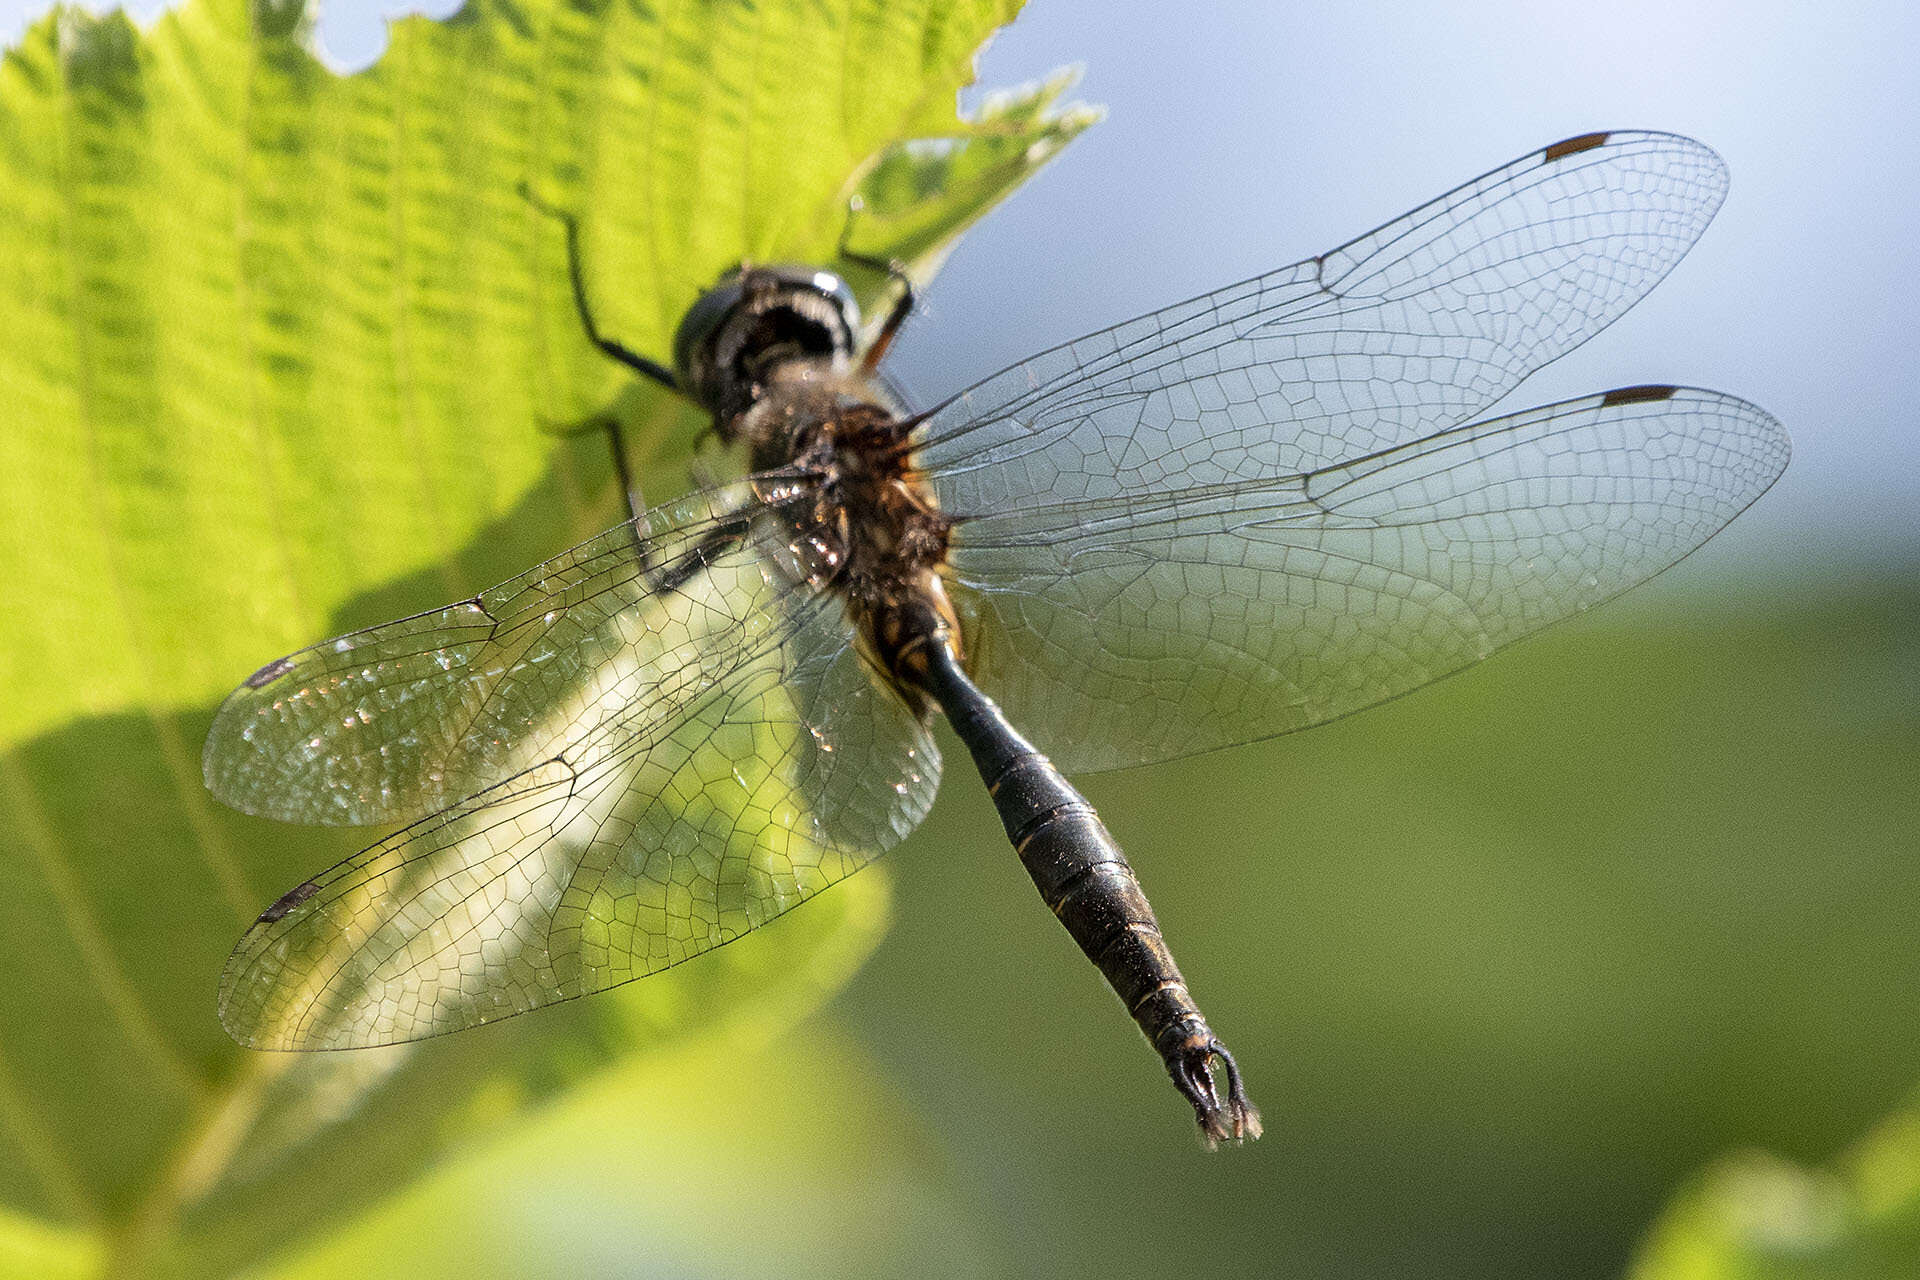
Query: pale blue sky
1246, 134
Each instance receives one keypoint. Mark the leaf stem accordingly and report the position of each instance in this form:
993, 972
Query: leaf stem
206, 1145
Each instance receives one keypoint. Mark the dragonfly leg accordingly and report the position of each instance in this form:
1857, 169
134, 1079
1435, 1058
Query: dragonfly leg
903, 302
609, 347
718, 541
623, 473
622, 470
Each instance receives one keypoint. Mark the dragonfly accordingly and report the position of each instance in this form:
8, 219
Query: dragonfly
1242, 515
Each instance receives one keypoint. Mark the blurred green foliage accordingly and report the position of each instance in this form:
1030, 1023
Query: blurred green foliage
1753, 1216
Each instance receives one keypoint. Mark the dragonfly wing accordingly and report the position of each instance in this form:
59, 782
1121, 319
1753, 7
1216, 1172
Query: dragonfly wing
1410, 329
400, 720
616, 855
1155, 625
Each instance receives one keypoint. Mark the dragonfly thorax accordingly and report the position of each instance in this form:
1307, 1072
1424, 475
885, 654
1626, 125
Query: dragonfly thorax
863, 522
867, 500
756, 322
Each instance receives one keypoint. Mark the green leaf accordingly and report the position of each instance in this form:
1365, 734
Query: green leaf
1754, 1216
275, 349
917, 195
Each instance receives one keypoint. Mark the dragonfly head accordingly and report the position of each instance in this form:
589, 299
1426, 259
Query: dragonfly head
754, 319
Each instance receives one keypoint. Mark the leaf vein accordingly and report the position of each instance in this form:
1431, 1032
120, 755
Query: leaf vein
36, 833
41, 1152
400, 350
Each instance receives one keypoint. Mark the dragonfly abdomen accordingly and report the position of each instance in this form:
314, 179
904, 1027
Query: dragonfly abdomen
1088, 884
1086, 881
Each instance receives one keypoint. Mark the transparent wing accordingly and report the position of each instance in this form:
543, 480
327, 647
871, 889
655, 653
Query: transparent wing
1151, 625
612, 853
1411, 329
400, 720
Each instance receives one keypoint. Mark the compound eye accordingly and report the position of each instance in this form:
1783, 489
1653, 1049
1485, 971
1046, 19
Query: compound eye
694, 339
840, 293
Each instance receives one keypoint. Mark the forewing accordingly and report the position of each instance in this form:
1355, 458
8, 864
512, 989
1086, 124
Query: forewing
399, 720
1150, 626
1409, 330
616, 855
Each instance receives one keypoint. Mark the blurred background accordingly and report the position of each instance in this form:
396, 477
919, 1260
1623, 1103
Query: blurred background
1506, 962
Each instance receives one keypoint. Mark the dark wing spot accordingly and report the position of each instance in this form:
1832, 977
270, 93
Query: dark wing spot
288, 901
1573, 146
269, 673
1635, 395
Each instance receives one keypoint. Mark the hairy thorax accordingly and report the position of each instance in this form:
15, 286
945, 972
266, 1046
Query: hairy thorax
864, 522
